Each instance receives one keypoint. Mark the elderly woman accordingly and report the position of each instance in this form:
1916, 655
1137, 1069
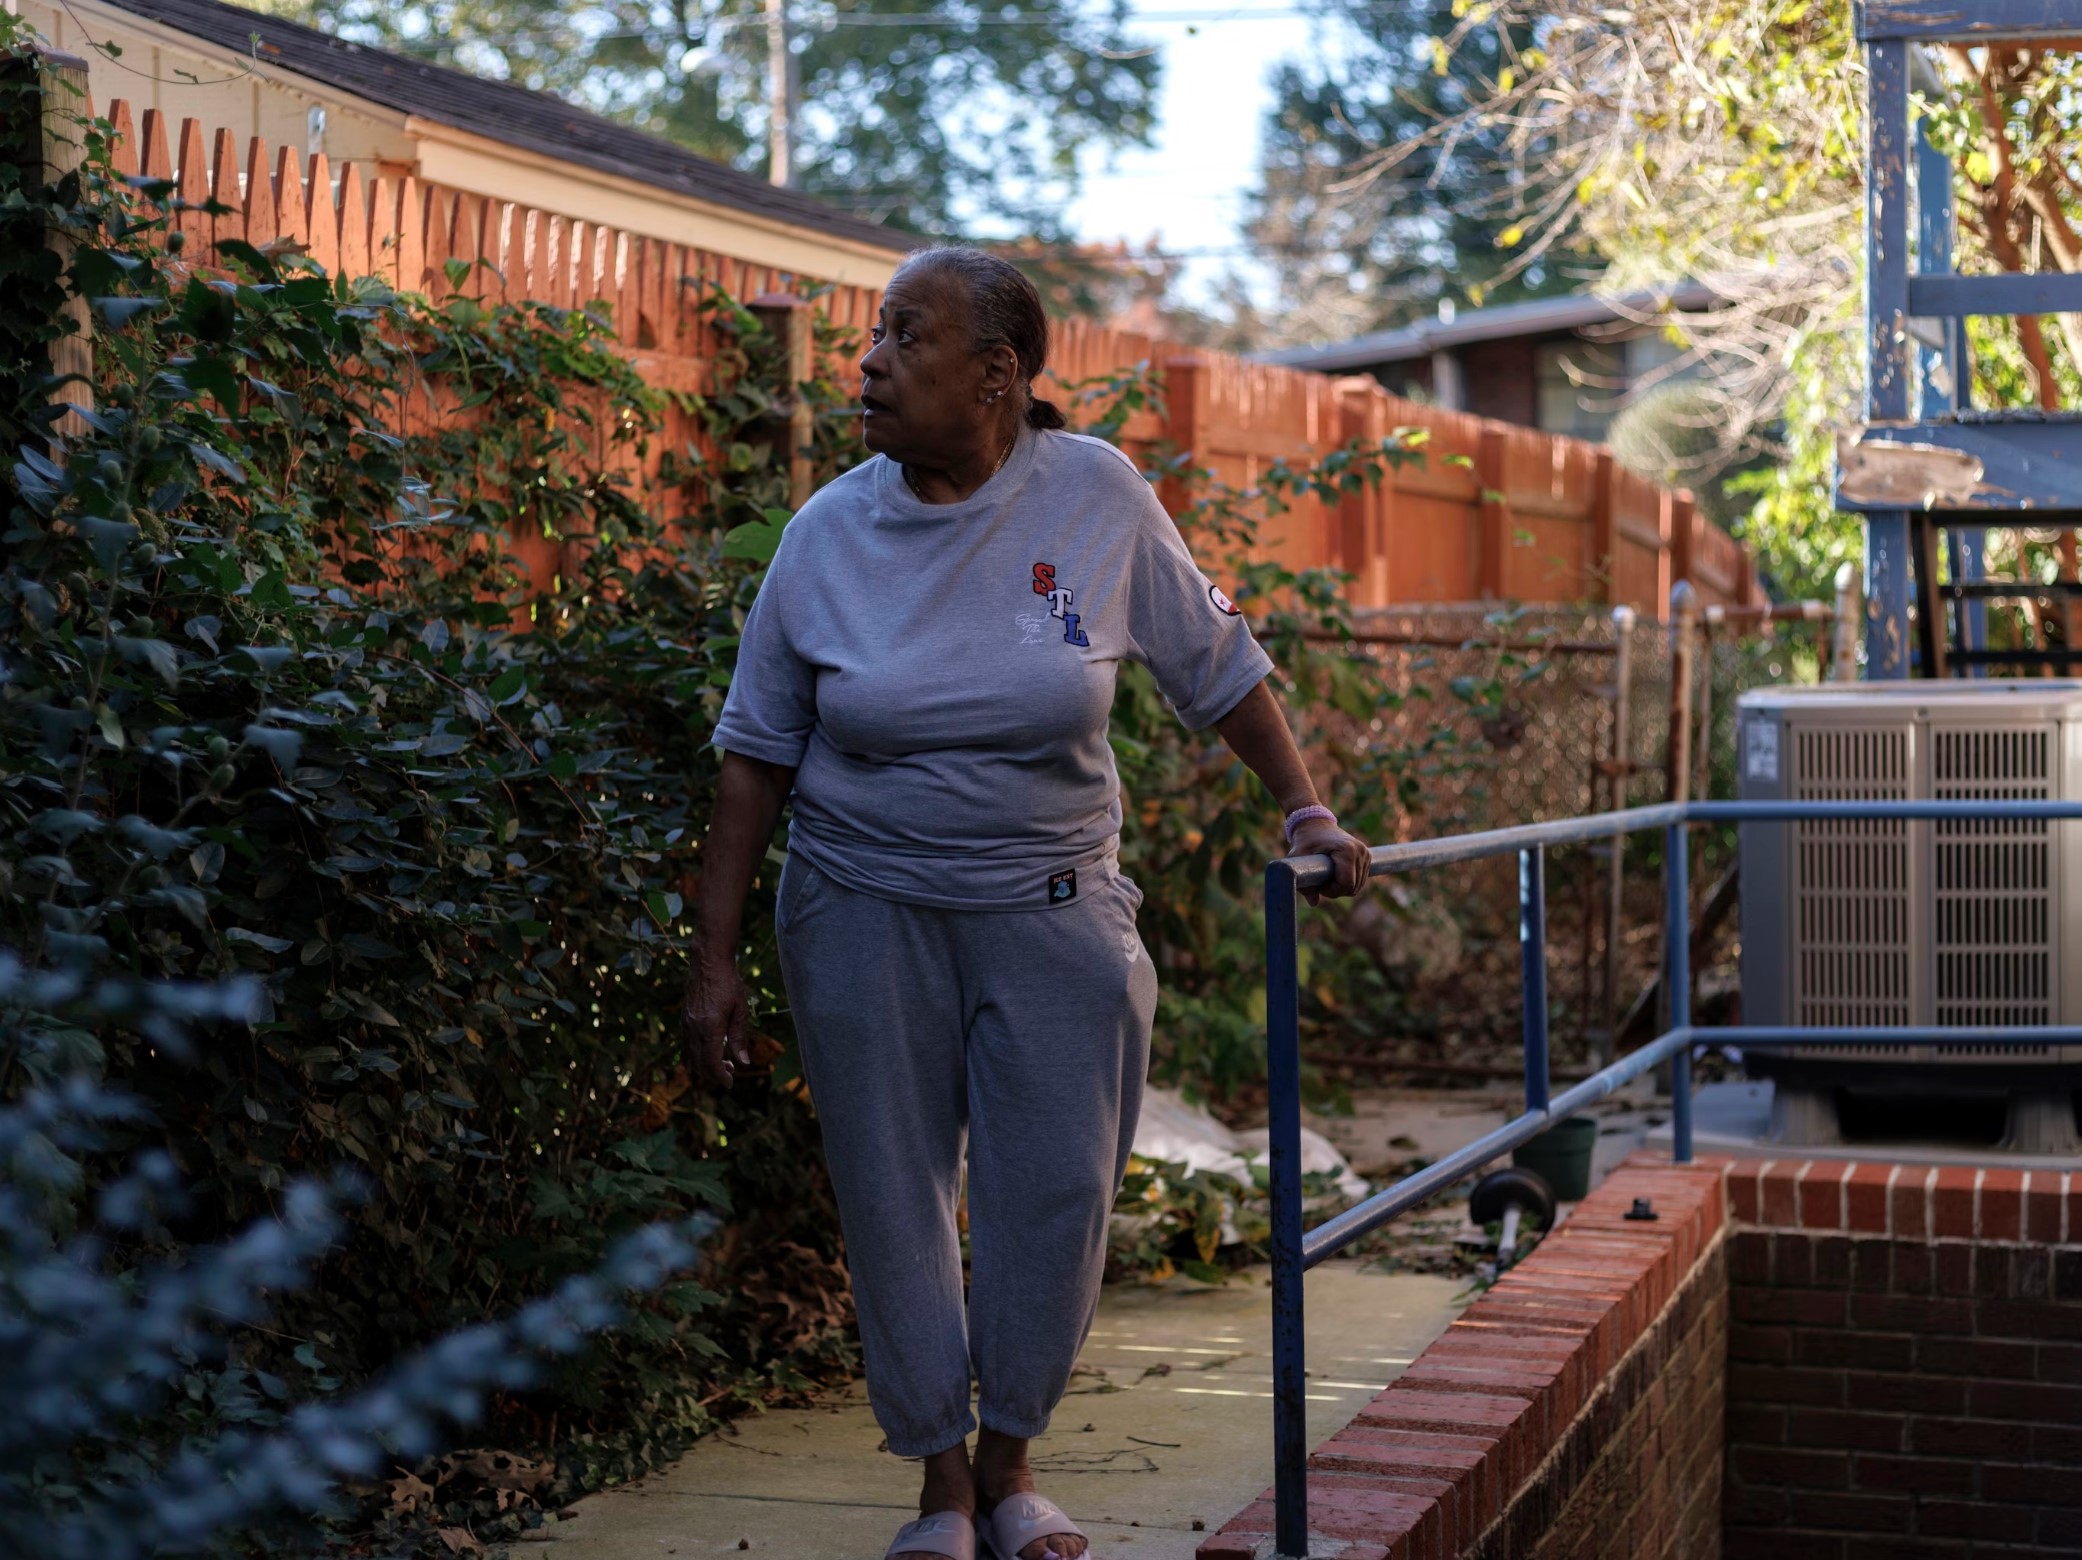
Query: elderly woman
928, 670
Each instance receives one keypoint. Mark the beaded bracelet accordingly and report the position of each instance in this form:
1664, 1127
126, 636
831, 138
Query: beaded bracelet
1301, 815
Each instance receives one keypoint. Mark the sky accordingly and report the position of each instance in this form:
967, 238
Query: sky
1189, 189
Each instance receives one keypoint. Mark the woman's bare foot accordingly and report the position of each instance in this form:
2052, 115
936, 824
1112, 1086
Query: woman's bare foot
949, 1486
1001, 1471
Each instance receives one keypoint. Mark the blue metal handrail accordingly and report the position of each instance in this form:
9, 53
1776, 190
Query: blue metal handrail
1294, 1250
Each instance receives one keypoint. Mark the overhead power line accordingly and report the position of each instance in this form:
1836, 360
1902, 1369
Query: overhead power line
830, 20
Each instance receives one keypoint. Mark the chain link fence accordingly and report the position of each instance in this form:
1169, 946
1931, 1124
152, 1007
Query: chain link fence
1513, 713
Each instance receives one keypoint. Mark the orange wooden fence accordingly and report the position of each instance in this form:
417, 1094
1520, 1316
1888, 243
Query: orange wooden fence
1494, 511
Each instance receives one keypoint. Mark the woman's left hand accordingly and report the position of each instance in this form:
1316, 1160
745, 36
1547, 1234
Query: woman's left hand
1349, 858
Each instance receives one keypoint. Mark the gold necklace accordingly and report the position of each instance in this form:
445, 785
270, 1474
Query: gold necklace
911, 479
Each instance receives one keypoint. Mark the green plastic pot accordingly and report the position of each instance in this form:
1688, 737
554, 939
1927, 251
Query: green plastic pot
1561, 1157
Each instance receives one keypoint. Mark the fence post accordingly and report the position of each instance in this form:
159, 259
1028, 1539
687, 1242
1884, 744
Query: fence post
1604, 530
1283, 1135
1493, 528
1358, 511
1847, 626
1684, 625
792, 323
51, 144
1683, 512
1185, 392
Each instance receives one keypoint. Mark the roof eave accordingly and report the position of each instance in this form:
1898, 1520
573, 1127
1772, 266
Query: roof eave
1538, 318
166, 33
422, 128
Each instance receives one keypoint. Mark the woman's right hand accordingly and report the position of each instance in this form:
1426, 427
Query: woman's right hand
716, 1021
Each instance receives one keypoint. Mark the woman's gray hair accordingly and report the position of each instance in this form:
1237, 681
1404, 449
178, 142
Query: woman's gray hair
1004, 311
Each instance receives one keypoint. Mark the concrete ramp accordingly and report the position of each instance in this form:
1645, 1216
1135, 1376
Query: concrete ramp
1166, 1433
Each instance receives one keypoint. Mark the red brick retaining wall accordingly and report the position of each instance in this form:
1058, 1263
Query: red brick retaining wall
1892, 1355
1574, 1410
1905, 1362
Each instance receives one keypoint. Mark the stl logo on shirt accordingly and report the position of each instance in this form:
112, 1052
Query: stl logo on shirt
1060, 600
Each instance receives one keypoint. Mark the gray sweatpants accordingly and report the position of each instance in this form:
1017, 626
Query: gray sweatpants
1025, 1033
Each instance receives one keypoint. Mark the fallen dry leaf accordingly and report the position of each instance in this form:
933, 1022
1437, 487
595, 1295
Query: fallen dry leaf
505, 1471
657, 1109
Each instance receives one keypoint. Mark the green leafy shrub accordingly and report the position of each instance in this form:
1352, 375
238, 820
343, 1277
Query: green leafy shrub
101, 1457
275, 707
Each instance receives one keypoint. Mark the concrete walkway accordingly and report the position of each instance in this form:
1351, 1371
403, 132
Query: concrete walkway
1167, 1433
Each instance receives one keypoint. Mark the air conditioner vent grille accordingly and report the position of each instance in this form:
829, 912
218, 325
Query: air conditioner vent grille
1853, 893
1993, 937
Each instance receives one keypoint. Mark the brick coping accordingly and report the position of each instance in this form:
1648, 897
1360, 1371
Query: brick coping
1435, 1460
1905, 1201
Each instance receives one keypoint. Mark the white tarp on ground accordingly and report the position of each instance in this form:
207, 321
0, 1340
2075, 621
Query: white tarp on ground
1170, 1129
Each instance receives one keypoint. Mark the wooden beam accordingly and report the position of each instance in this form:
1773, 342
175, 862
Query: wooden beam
2029, 471
1888, 377
1944, 375
1931, 634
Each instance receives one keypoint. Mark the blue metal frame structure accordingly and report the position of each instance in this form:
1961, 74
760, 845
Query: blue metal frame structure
1295, 1250
1944, 379
2028, 462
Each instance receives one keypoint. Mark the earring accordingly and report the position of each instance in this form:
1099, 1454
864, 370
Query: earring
992, 397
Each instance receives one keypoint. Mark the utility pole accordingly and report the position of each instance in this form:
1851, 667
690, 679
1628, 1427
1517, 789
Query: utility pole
783, 86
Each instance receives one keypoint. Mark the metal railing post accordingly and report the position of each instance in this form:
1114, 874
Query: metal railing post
1283, 1088
1294, 1250
1677, 977
1532, 948
1616, 847
1677, 768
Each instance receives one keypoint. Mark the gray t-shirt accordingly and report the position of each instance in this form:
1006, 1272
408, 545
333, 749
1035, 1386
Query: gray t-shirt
939, 675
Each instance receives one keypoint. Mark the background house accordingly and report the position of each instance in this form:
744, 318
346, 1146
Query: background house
388, 115
1564, 365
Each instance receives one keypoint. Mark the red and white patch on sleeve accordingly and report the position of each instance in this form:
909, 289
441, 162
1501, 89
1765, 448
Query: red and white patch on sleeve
1222, 603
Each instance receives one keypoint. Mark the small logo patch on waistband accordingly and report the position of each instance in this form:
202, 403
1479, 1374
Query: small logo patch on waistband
1062, 887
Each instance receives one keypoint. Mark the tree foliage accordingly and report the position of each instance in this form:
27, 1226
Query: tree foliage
1357, 246
935, 119
1723, 141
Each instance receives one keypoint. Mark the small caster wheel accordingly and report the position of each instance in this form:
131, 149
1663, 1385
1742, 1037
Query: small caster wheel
1514, 1197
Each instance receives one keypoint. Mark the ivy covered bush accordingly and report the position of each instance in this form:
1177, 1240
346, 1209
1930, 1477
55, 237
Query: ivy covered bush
275, 709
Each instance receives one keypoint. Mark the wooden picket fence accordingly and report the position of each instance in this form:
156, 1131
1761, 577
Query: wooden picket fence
1495, 512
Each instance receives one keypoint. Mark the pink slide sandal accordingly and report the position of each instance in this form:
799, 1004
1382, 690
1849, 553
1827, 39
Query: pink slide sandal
1020, 1519
946, 1533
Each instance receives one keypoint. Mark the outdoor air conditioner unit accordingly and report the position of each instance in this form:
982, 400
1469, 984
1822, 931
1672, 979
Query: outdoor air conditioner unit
1914, 923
